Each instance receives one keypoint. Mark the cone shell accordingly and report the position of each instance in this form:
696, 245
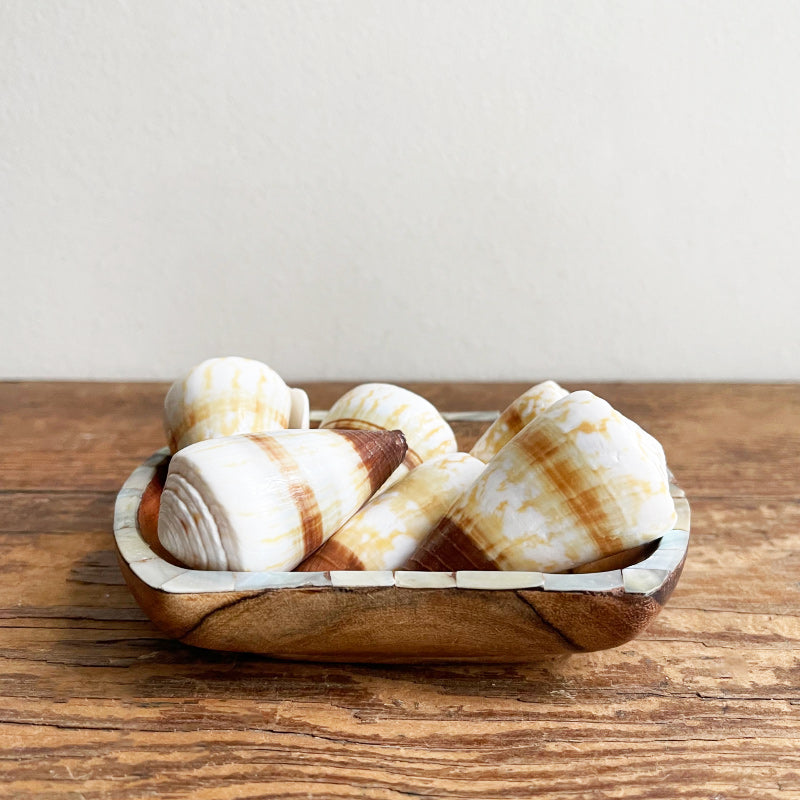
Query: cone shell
265, 501
521, 412
383, 406
577, 484
226, 396
389, 528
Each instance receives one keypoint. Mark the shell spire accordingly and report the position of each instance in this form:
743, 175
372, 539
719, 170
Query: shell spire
578, 483
515, 417
383, 406
265, 501
387, 530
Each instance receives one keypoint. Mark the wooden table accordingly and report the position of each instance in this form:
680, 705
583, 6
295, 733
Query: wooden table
96, 703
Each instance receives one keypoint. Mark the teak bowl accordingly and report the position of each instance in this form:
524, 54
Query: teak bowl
391, 617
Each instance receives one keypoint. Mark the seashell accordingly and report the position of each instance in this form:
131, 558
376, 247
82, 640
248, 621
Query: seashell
577, 484
387, 530
226, 396
265, 501
300, 412
383, 406
522, 411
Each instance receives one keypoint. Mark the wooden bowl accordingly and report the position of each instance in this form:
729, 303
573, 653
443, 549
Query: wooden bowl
391, 617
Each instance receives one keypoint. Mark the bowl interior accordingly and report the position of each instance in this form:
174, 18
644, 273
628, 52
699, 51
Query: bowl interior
642, 569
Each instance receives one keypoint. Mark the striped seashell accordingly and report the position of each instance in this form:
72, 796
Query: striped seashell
387, 530
265, 501
522, 411
383, 406
578, 483
230, 395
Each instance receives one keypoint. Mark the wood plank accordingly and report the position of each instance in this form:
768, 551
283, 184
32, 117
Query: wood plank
716, 435
409, 728
56, 511
295, 763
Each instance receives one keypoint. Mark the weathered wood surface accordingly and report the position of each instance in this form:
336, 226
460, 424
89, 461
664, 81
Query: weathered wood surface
96, 703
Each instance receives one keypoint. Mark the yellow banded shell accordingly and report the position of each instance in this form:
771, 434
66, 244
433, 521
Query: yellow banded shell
383, 406
515, 417
265, 501
230, 395
578, 483
387, 530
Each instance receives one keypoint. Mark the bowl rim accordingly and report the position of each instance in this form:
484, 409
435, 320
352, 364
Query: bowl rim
646, 577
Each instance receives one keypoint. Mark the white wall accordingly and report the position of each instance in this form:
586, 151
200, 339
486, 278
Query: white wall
404, 189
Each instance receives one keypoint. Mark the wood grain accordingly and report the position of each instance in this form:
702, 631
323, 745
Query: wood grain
96, 703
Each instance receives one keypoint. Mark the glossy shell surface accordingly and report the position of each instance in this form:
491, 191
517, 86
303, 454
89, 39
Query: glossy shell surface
384, 406
579, 483
229, 395
515, 417
387, 530
264, 501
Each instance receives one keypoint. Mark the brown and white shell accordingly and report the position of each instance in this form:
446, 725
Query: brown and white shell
578, 483
258, 502
388, 529
383, 406
515, 417
230, 395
